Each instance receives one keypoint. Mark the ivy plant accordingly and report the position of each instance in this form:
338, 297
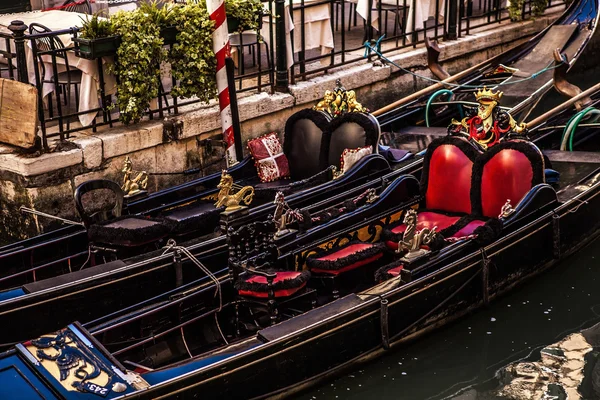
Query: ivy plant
193, 62
137, 67
246, 12
515, 9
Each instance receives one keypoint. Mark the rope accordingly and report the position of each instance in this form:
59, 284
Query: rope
450, 94
571, 127
172, 245
66, 6
369, 48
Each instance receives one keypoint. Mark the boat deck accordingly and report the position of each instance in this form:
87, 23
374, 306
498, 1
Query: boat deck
575, 170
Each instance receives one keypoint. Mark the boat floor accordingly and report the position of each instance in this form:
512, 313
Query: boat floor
575, 168
413, 138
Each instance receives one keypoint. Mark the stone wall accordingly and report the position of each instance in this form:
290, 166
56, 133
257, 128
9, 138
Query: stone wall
47, 182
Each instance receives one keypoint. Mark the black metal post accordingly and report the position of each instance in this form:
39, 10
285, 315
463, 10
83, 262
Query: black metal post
281, 83
235, 115
18, 29
452, 15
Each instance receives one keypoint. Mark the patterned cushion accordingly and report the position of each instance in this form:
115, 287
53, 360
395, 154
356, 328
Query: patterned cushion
352, 156
271, 164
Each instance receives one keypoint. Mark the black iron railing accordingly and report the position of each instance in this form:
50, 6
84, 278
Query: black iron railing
268, 59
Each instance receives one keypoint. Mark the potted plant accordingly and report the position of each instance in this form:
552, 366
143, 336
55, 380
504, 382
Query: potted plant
96, 38
242, 15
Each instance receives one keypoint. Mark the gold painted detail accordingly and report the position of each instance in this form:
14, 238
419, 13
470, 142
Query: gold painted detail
339, 101
487, 124
506, 210
131, 185
501, 70
74, 364
230, 199
413, 240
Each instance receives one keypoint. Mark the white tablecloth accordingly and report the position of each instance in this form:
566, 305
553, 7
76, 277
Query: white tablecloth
423, 8
317, 28
90, 80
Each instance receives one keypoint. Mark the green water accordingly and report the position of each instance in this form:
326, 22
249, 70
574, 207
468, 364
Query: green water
468, 352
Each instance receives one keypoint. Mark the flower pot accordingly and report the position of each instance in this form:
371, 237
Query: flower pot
96, 48
233, 24
169, 34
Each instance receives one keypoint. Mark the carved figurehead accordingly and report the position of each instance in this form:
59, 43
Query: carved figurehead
413, 240
132, 186
486, 124
339, 101
226, 196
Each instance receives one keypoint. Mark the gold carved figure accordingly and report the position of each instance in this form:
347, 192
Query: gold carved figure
132, 186
339, 101
231, 201
412, 240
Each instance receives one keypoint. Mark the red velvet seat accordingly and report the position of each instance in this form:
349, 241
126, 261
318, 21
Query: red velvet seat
346, 258
445, 186
285, 284
506, 172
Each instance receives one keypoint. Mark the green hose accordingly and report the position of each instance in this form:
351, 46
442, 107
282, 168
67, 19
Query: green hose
433, 96
571, 127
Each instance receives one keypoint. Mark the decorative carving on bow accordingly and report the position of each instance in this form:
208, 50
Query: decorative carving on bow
413, 240
73, 364
507, 210
486, 124
132, 186
230, 199
501, 71
284, 215
339, 101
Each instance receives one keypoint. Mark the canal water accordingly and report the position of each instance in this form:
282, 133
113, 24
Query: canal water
460, 360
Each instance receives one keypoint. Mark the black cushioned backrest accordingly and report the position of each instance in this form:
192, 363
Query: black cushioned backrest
350, 131
98, 184
302, 143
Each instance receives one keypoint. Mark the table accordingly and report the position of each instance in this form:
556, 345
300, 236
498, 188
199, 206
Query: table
423, 9
317, 28
90, 78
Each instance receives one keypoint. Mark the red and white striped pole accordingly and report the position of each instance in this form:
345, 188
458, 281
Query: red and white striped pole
222, 49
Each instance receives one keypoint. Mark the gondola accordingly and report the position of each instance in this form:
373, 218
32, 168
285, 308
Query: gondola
287, 317
127, 283
188, 209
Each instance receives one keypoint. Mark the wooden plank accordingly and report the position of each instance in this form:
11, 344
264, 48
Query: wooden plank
18, 113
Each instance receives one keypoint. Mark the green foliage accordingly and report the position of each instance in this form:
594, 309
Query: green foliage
139, 57
95, 27
193, 62
515, 9
245, 11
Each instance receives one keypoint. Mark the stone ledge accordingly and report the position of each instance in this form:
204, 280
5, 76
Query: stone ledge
30, 166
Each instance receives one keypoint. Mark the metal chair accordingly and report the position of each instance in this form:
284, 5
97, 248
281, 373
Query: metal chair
52, 46
250, 39
78, 6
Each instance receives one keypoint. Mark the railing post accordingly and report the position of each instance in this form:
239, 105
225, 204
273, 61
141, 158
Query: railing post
452, 15
281, 83
18, 29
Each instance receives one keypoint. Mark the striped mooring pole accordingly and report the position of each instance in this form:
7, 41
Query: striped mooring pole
222, 49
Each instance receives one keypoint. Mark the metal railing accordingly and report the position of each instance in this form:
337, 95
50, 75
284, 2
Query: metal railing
391, 24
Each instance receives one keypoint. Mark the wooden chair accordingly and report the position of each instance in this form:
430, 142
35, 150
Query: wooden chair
252, 255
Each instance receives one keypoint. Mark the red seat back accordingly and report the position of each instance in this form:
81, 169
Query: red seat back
446, 178
506, 171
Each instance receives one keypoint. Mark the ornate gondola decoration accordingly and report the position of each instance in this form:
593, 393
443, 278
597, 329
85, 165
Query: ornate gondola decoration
284, 215
73, 364
486, 124
339, 101
133, 186
412, 241
227, 198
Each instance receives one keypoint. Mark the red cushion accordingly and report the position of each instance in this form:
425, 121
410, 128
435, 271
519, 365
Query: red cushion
426, 219
271, 164
345, 252
281, 276
507, 175
449, 180
469, 228
395, 271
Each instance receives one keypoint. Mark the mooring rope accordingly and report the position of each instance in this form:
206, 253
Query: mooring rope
369, 48
172, 245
